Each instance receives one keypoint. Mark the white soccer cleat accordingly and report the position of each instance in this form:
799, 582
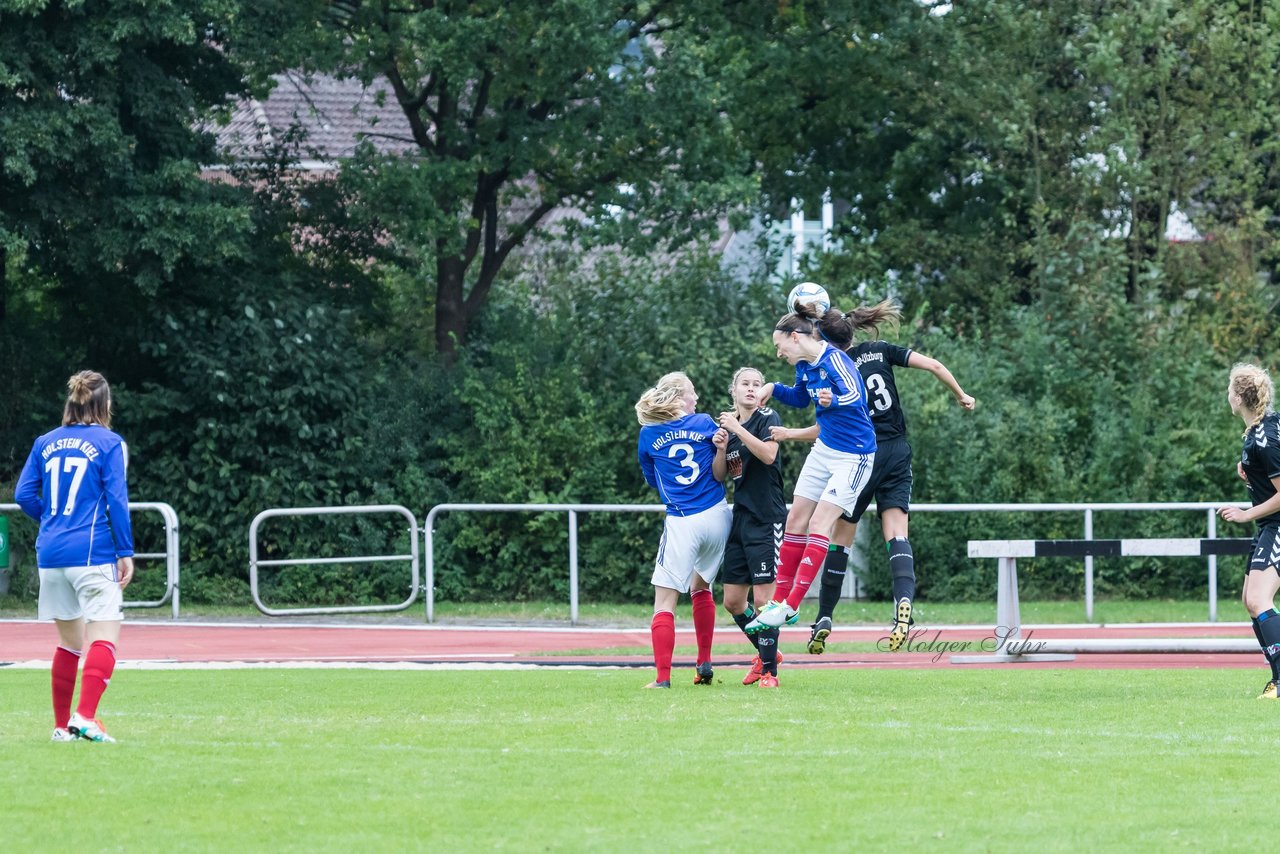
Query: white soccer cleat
60, 734
89, 730
773, 616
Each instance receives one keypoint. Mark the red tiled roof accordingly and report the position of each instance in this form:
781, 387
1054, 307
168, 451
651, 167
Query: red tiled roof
337, 116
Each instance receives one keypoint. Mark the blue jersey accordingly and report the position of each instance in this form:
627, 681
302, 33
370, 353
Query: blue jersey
74, 485
845, 425
676, 457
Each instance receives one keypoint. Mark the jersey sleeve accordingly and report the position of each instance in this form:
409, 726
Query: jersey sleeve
116, 489
646, 462
846, 390
1269, 455
27, 492
770, 419
795, 396
897, 354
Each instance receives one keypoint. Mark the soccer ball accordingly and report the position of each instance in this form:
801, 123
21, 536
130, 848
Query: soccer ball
809, 293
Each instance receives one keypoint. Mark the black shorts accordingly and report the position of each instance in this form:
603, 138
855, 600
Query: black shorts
890, 482
751, 554
1266, 549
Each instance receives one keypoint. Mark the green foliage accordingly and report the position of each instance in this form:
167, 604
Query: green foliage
1067, 417
515, 110
548, 407
1004, 168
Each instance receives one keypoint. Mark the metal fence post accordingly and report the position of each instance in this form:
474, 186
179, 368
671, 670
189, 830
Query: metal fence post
573, 567
1213, 570
1088, 567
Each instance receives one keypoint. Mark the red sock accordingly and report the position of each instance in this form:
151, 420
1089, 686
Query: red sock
704, 622
810, 565
98, 664
65, 664
788, 558
663, 632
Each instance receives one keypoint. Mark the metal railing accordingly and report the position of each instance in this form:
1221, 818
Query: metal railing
572, 509
172, 564
1087, 509
255, 563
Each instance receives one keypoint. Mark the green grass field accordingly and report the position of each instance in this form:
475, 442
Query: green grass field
358, 760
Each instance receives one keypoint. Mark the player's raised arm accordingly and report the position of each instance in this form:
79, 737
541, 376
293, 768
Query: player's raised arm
939, 370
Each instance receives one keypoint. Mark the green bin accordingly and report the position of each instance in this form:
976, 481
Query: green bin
4, 543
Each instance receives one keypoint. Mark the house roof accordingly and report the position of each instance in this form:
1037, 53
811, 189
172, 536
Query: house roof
336, 115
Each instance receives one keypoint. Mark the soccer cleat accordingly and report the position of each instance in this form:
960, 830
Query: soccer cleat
89, 730
756, 671
773, 616
768, 680
1269, 692
704, 675
901, 624
818, 640
60, 734
665, 683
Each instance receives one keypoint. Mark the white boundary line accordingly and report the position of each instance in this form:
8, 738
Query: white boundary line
948, 627
36, 664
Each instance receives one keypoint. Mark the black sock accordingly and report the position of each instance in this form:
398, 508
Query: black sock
767, 643
902, 564
1269, 628
833, 572
742, 620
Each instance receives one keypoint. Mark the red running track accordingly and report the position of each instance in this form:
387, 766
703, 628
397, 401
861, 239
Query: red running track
180, 642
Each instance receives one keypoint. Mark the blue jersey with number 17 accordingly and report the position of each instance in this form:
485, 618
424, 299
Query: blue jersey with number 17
676, 457
74, 485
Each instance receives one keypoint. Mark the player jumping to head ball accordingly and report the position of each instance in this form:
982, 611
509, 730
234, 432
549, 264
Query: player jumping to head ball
891, 477
838, 467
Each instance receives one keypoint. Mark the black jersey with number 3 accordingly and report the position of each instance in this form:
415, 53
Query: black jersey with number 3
1261, 460
876, 361
757, 487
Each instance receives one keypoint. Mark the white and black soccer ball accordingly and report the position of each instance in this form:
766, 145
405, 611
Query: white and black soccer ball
809, 293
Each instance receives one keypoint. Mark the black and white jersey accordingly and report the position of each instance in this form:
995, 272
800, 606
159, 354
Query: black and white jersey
876, 361
757, 488
1261, 460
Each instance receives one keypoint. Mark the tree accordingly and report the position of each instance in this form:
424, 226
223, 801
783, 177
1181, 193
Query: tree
99, 148
1000, 152
517, 110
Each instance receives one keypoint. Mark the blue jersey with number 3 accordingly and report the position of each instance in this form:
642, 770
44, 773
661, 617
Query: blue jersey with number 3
676, 457
74, 485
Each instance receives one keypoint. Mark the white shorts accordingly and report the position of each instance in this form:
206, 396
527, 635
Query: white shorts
73, 592
692, 544
837, 477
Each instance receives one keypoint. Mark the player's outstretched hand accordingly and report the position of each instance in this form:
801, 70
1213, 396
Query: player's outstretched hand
967, 401
720, 438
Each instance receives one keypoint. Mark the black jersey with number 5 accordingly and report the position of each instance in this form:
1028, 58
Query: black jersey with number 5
876, 361
757, 487
1261, 460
